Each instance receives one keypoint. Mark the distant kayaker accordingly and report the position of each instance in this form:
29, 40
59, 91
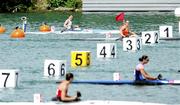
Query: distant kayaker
68, 26
62, 90
125, 30
140, 73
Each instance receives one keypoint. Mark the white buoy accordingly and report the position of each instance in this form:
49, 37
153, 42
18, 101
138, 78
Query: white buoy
108, 35
177, 12
53, 28
116, 76
24, 19
37, 98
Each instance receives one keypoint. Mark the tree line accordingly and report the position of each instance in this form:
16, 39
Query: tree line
37, 5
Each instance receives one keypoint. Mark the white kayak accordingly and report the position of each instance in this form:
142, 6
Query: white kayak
84, 31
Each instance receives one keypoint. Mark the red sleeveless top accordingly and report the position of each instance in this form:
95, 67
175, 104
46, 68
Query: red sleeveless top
58, 93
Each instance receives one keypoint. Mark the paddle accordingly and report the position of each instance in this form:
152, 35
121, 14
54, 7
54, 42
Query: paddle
64, 29
160, 77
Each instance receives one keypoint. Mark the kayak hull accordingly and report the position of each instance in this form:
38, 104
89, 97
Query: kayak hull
130, 82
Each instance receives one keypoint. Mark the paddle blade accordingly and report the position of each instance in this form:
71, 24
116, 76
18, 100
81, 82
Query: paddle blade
120, 17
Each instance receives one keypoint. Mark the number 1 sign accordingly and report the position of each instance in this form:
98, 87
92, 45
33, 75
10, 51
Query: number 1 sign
166, 31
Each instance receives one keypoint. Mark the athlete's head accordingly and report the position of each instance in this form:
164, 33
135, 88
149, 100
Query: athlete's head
69, 76
70, 17
126, 22
144, 59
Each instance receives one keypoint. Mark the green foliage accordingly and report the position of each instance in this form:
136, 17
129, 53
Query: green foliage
78, 4
56, 3
25, 5
73, 4
14, 5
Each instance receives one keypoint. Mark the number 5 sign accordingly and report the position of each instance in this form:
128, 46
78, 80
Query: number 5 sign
80, 58
54, 68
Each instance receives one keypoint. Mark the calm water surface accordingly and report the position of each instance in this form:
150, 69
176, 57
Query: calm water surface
28, 56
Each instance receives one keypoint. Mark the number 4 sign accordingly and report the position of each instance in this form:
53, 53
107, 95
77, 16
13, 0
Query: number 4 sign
106, 50
54, 68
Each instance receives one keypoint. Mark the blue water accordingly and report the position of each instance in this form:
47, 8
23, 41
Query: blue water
28, 55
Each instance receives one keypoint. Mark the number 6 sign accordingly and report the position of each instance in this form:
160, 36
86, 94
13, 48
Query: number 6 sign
54, 68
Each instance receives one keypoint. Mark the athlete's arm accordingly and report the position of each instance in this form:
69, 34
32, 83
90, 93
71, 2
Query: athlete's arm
64, 96
121, 31
146, 75
65, 23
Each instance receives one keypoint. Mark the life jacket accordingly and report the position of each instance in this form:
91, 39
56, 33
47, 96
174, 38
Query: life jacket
125, 32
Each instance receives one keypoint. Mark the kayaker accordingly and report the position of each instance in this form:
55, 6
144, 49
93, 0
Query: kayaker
62, 90
125, 30
68, 26
140, 73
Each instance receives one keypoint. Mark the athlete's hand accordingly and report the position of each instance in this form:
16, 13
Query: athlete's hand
78, 94
159, 77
